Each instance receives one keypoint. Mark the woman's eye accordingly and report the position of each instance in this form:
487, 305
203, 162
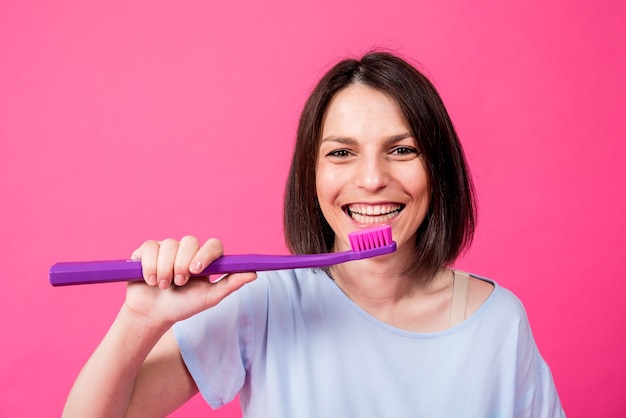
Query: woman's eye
339, 153
404, 151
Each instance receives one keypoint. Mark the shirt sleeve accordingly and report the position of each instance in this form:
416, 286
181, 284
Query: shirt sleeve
537, 395
216, 346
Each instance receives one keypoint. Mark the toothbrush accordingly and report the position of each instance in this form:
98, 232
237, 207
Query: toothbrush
366, 243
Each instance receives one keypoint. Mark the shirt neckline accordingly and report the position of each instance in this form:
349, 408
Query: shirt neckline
405, 333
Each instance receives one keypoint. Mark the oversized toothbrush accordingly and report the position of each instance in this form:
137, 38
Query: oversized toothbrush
370, 242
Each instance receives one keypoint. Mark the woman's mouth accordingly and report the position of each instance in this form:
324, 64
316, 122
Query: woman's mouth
364, 214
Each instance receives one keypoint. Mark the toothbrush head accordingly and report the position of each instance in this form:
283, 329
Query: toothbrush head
372, 238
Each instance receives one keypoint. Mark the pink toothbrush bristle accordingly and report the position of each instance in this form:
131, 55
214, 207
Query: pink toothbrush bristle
370, 238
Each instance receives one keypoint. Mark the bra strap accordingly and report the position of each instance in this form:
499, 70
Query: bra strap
460, 290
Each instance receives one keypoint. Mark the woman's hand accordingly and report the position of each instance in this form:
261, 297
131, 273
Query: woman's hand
168, 293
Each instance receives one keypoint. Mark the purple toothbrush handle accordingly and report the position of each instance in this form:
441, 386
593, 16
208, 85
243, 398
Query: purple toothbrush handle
86, 272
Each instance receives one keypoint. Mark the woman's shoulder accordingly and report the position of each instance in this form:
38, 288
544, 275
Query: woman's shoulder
479, 292
488, 295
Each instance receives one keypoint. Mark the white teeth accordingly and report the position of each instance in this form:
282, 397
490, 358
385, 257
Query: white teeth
373, 209
364, 219
373, 213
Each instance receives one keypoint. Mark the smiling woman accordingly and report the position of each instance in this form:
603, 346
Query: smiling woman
401, 334
382, 92
369, 169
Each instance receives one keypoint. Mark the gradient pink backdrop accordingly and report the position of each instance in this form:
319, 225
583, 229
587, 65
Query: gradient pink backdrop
123, 121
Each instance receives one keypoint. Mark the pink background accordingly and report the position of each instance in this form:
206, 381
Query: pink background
123, 121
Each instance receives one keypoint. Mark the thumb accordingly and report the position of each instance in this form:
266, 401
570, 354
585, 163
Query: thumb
228, 283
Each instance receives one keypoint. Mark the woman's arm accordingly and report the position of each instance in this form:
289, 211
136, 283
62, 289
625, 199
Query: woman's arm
137, 369
163, 377
124, 372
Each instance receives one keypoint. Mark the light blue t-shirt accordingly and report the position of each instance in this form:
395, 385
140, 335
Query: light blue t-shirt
293, 345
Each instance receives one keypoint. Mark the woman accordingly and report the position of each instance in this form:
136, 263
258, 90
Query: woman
396, 335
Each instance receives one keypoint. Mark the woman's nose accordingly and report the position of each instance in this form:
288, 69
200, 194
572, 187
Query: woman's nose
372, 174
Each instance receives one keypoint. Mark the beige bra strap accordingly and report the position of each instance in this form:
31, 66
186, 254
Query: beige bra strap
460, 290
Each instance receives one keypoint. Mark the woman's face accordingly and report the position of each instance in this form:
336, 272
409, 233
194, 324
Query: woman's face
369, 170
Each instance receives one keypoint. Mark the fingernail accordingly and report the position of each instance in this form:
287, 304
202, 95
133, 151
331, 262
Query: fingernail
197, 267
179, 280
163, 284
152, 280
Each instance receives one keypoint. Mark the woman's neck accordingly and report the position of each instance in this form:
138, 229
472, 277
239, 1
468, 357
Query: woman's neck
381, 287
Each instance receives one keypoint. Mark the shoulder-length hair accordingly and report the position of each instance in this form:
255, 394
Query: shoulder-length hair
449, 225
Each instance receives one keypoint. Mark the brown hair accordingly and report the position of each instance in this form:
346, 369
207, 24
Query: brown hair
450, 222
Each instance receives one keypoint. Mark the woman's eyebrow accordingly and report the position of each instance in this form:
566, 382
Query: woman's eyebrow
339, 139
397, 138
351, 141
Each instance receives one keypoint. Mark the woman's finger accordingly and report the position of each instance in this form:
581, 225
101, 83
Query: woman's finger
187, 249
228, 284
165, 262
209, 252
148, 253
